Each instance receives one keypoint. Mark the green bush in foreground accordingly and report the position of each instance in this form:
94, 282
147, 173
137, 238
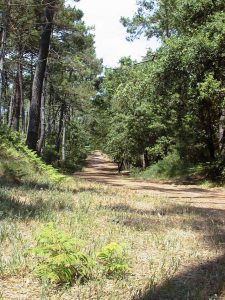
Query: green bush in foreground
59, 257
61, 261
114, 260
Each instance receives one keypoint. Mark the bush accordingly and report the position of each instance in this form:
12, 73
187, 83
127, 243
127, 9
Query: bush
114, 260
59, 258
13, 149
169, 167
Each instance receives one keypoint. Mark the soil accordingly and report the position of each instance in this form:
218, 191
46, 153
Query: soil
100, 170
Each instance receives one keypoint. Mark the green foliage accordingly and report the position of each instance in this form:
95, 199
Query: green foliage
175, 99
167, 18
114, 259
13, 170
59, 257
70, 79
14, 149
61, 260
173, 166
76, 145
169, 166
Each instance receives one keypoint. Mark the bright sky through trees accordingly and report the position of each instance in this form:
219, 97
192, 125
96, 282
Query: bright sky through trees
110, 40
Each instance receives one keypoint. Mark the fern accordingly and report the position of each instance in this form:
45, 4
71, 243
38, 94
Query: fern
59, 257
11, 141
114, 259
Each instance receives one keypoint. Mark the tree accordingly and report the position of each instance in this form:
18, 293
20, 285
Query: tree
35, 106
174, 100
71, 69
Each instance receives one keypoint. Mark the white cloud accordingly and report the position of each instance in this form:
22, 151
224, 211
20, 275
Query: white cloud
110, 36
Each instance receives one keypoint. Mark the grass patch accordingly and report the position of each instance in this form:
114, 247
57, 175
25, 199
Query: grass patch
173, 167
169, 246
175, 251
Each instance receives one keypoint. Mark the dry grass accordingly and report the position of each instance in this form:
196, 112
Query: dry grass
176, 251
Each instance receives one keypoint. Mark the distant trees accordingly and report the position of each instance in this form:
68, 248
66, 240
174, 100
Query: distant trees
175, 98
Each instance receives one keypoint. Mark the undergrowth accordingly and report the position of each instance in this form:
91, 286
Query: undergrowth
170, 167
62, 258
20, 162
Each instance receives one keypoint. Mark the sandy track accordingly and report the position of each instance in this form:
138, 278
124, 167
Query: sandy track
100, 170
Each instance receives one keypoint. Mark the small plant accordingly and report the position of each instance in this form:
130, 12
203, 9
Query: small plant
114, 259
59, 258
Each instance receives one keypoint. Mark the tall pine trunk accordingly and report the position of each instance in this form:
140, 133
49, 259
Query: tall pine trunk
2, 54
61, 118
35, 106
42, 135
17, 102
64, 142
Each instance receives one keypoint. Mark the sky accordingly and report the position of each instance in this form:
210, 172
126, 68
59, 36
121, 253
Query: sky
110, 35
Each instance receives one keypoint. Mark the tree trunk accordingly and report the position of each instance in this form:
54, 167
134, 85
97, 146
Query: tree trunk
64, 142
120, 165
16, 106
42, 135
10, 110
211, 148
222, 131
2, 56
58, 138
34, 118
49, 111
143, 161
6, 96
22, 110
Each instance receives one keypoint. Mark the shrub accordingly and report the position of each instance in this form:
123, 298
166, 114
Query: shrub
13, 148
114, 260
169, 167
59, 258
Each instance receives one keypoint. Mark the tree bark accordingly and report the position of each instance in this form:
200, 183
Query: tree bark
143, 161
64, 142
2, 56
35, 107
222, 131
58, 138
42, 135
16, 106
22, 109
10, 110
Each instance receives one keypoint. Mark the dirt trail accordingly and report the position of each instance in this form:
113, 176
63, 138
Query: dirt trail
100, 170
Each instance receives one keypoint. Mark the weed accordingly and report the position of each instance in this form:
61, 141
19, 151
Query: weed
114, 260
60, 259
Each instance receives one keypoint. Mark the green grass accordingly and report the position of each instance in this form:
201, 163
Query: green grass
172, 167
175, 251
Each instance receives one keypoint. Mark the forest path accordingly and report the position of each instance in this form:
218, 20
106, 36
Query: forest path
101, 170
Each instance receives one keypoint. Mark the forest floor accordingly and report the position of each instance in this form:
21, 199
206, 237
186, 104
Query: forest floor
174, 234
101, 170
